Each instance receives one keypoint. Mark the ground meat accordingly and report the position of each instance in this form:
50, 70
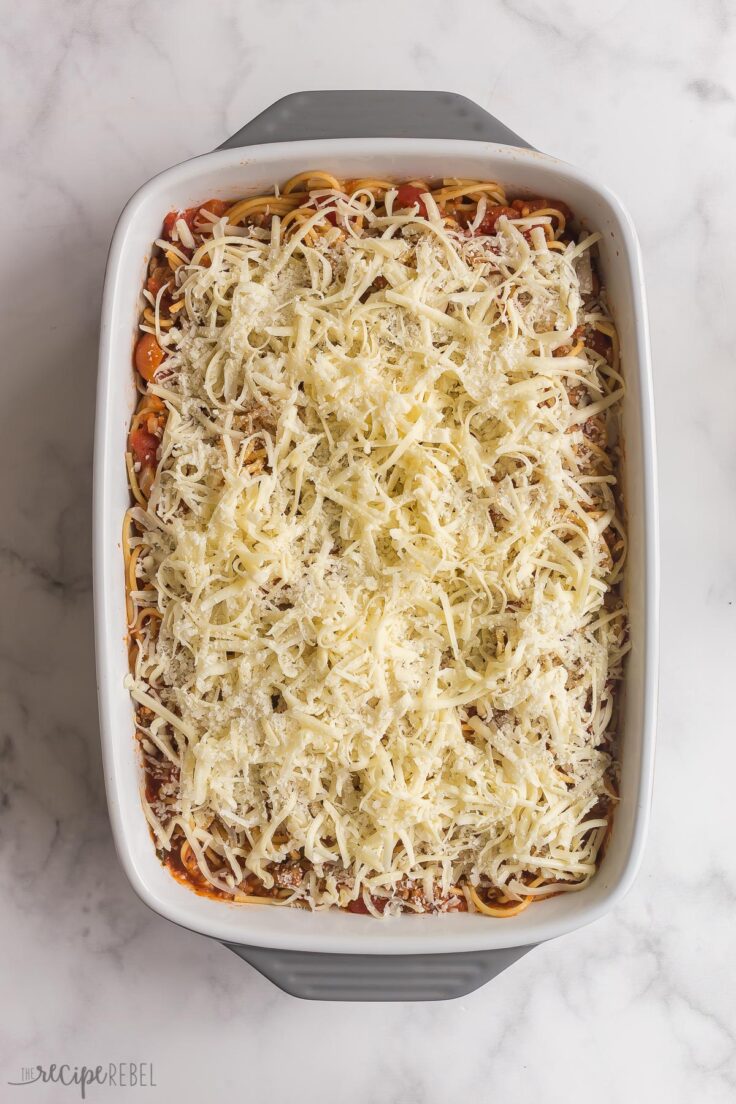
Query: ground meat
595, 430
413, 894
599, 342
288, 875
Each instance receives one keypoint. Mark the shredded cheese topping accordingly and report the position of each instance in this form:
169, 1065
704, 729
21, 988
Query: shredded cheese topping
384, 542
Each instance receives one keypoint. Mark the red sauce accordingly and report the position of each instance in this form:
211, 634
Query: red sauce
330, 216
491, 217
143, 445
359, 906
599, 342
216, 207
192, 880
408, 195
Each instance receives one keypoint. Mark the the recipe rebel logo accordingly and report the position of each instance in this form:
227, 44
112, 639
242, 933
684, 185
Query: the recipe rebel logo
116, 1075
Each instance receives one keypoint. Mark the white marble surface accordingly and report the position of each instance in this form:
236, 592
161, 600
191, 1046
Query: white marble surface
98, 97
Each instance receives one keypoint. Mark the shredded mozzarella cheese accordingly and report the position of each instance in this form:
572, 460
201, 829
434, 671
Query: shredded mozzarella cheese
380, 536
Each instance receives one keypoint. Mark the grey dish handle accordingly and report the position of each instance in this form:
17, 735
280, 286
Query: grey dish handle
356, 977
373, 114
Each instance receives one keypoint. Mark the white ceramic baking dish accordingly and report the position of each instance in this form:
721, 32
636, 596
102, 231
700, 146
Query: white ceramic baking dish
332, 954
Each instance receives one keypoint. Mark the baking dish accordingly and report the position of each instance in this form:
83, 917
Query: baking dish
336, 955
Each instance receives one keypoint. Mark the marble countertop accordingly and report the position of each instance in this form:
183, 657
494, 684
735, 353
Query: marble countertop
99, 96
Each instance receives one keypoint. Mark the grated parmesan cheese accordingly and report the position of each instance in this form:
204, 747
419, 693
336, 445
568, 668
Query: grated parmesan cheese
377, 537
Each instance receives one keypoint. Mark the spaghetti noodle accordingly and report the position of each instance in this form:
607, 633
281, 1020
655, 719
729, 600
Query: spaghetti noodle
374, 552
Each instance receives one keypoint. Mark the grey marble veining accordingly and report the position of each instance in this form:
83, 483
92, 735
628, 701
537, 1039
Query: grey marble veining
100, 96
